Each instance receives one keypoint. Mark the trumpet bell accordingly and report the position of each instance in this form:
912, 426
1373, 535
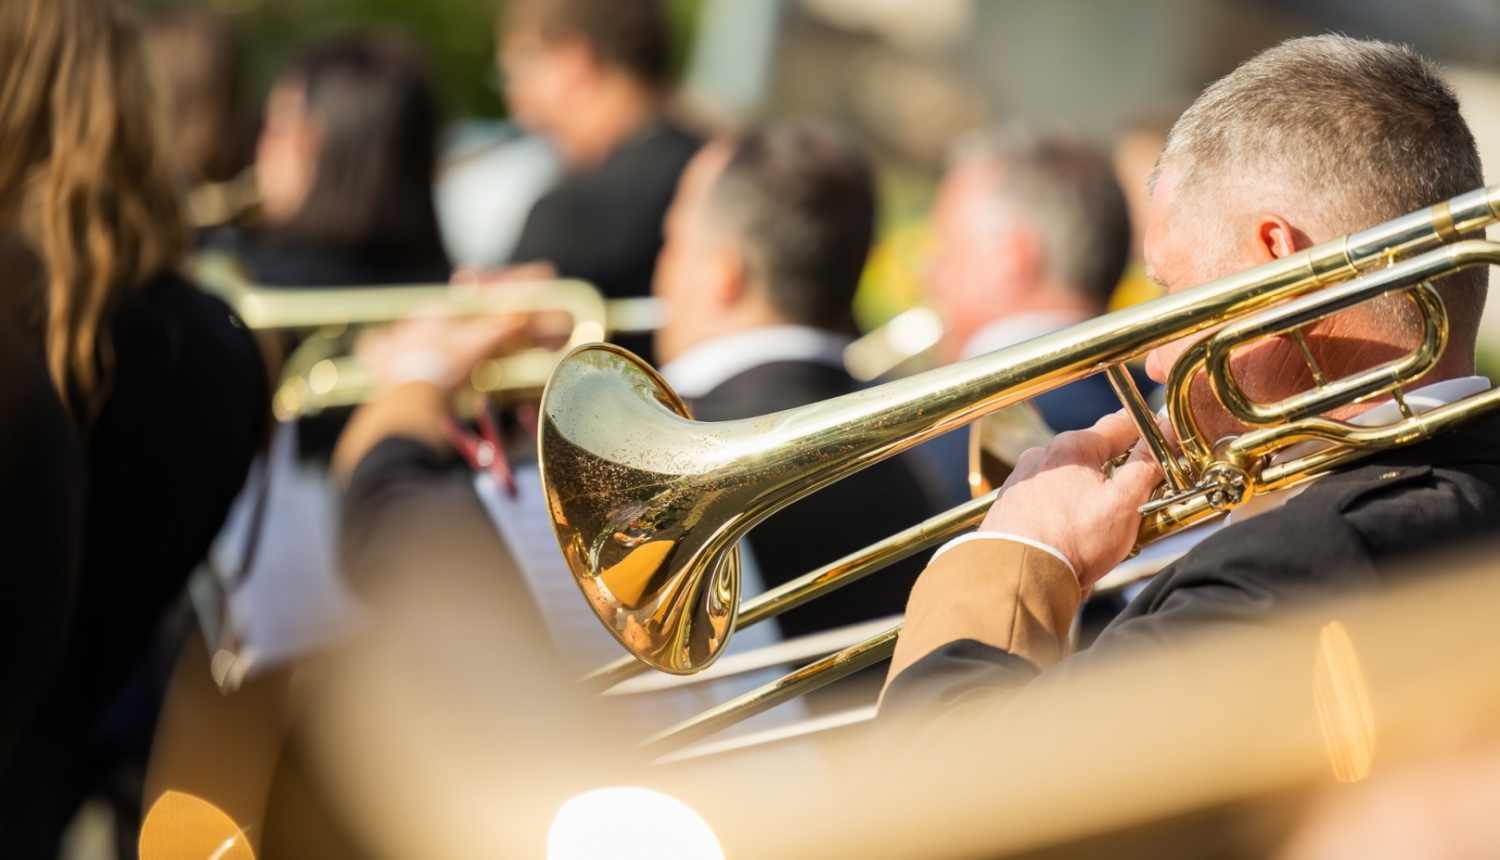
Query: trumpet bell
624, 471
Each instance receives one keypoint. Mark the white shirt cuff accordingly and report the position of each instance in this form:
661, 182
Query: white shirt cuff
1034, 544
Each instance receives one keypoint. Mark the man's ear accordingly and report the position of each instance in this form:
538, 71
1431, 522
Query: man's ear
728, 277
1276, 238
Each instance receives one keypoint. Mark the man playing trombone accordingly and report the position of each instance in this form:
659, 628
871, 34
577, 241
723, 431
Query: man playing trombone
1311, 140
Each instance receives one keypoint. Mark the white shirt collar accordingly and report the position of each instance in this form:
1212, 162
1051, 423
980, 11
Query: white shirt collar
1158, 555
1011, 330
712, 363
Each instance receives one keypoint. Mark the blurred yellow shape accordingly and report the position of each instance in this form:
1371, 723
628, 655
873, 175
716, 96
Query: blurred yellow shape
1343, 702
1134, 289
183, 827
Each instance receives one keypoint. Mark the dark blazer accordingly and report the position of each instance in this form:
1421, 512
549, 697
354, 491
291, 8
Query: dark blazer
1355, 530
860, 509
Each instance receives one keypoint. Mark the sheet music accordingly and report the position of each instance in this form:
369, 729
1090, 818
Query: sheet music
524, 524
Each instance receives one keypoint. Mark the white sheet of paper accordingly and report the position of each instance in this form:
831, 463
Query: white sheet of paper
526, 527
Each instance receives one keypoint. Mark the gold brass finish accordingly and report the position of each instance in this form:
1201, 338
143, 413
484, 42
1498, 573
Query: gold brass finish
836, 574
998, 440
635, 486
323, 372
629, 478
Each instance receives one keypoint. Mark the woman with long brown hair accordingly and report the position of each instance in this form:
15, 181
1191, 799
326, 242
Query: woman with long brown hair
168, 394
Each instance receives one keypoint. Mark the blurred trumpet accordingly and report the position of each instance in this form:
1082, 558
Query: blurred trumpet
235, 200
324, 372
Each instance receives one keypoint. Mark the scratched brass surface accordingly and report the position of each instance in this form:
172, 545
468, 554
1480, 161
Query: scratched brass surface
648, 505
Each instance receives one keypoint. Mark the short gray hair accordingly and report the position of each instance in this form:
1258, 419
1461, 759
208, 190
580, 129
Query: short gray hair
1068, 192
1365, 131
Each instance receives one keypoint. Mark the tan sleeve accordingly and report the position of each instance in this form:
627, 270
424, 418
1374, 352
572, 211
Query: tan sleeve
1000, 592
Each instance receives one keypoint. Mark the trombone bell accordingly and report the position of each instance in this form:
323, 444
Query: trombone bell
648, 506
624, 512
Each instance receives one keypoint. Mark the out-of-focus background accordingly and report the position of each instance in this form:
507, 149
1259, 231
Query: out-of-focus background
907, 76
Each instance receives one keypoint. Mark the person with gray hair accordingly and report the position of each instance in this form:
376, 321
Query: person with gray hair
1305, 142
1031, 235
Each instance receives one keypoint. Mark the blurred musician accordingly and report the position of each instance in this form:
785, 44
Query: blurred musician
591, 75
169, 394
344, 169
196, 68
766, 240
1032, 234
1308, 141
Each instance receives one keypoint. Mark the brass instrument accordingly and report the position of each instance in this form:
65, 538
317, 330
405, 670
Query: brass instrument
322, 372
648, 506
235, 200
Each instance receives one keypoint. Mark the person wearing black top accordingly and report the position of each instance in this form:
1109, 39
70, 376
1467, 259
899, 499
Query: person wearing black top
344, 168
604, 225
988, 620
41, 518
168, 392
591, 75
766, 240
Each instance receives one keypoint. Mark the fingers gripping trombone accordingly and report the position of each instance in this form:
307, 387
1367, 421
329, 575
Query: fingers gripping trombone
648, 506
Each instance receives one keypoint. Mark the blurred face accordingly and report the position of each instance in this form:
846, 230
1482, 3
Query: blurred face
286, 156
982, 259
698, 271
543, 79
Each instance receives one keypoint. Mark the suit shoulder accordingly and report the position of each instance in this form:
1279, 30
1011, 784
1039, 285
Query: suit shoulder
772, 387
1401, 509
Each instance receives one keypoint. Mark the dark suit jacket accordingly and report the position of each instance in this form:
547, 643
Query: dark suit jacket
1350, 531
863, 508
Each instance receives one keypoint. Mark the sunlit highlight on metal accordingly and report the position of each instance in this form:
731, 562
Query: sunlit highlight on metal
648, 505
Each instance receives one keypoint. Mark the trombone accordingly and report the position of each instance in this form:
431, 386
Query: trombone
323, 372
648, 506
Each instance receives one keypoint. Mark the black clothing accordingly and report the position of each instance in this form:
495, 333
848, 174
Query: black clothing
41, 520
277, 263
604, 225
865, 507
1353, 530
185, 411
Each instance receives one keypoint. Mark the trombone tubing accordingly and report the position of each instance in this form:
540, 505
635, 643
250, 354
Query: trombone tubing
830, 577
835, 666
1348, 443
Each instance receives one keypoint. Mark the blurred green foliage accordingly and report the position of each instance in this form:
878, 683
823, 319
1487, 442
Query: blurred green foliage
457, 37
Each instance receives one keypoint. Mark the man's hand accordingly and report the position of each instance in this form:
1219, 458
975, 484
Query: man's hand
1060, 496
438, 350
418, 364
